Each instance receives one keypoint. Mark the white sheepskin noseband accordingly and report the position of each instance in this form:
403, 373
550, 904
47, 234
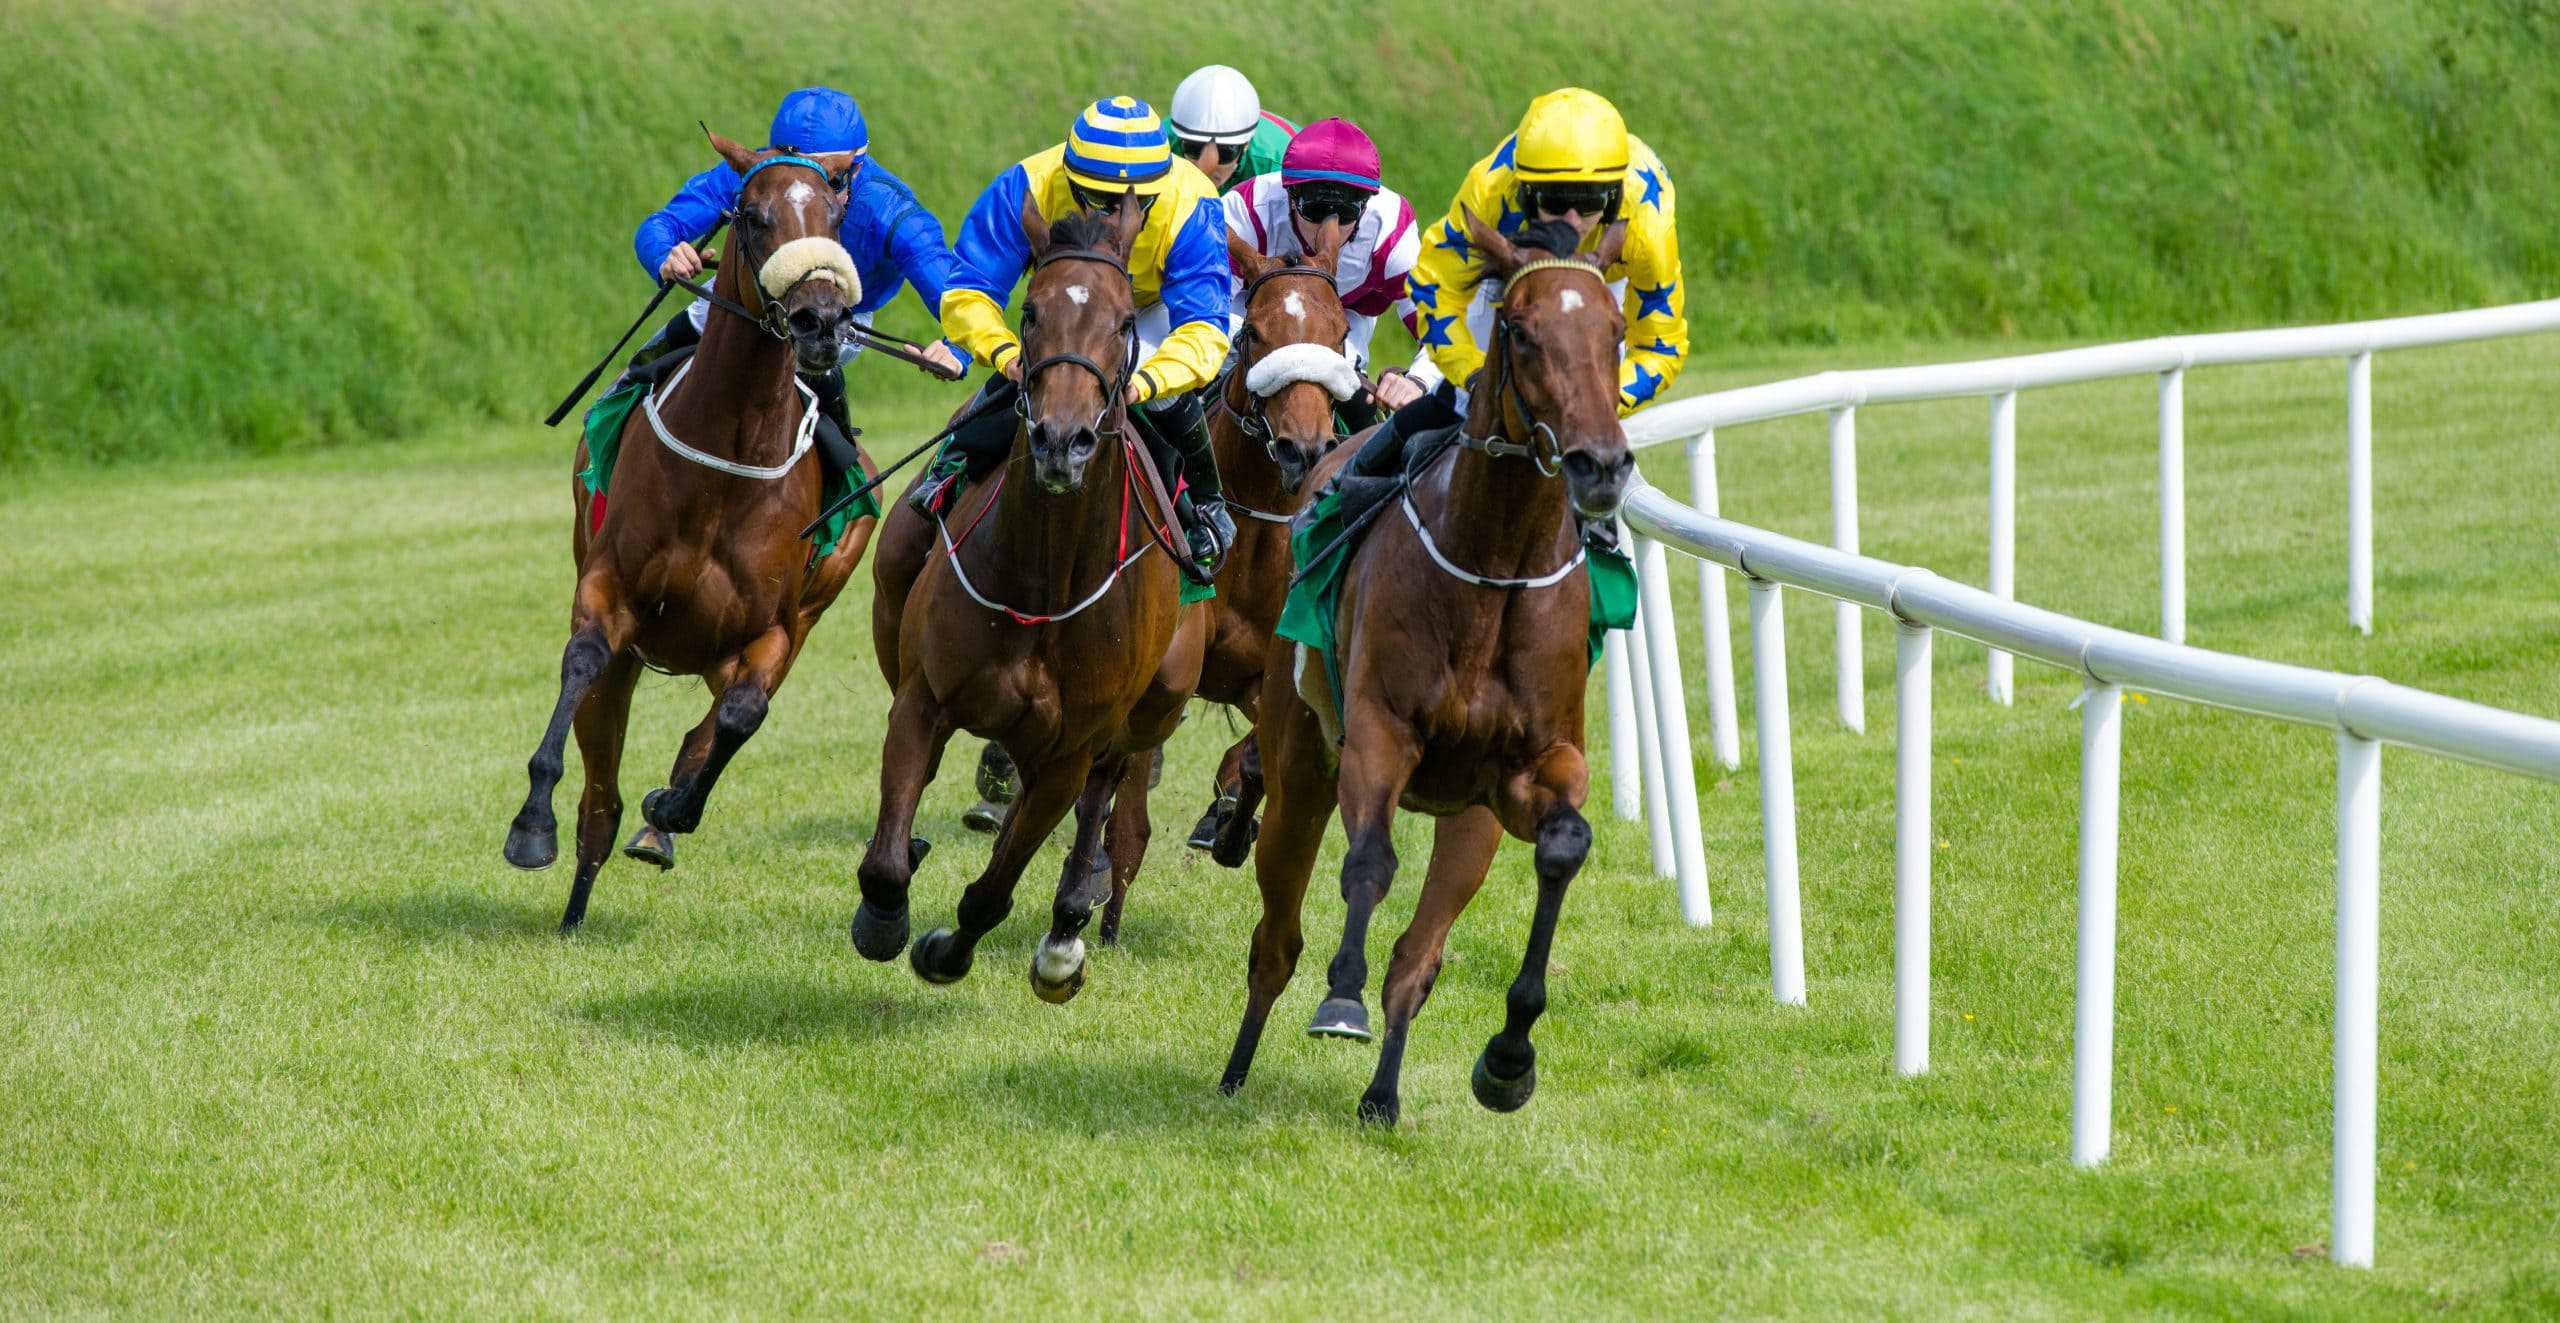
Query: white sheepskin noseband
811, 258
1321, 364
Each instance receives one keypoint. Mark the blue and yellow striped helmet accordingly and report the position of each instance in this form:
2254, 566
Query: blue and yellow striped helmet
1119, 143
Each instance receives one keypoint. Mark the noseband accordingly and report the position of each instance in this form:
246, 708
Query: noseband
1249, 416
1548, 457
771, 318
1115, 389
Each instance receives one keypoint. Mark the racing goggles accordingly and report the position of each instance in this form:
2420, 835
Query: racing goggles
1104, 200
1190, 148
1317, 203
1588, 198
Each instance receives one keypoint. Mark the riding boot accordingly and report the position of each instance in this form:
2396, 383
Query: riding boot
980, 439
1382, 455
1356, 415
1182, 425
836, 431
678, 333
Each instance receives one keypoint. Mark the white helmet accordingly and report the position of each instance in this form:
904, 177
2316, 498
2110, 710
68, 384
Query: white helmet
1216, 104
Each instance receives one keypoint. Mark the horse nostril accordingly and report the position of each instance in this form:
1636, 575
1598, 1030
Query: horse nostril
807, 324
1581, 465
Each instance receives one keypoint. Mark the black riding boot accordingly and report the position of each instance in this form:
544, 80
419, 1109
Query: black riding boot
836, 431
1382, 455
1181, 425
979, 442
677, 334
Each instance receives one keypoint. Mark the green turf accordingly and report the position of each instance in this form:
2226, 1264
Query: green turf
280, 1033
249, 227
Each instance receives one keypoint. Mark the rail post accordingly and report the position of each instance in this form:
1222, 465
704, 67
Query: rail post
1626, 761
1671, 722
1657, 805
1777, 792
1911, 847
2360, 492
1722, 730
2093, 1029
2351, 1155
2001, 682
2173, 505
1844, 536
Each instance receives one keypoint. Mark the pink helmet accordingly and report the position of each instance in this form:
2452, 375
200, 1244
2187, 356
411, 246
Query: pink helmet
1331, 150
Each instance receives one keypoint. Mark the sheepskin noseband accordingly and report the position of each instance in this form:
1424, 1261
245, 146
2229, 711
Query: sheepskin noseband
812, 258
1321, 364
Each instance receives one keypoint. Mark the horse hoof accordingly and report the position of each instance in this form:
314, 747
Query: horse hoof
651, 845
933, 959
1235, 846
1057, 972
532, 850
1341, 1017
1379, 1111
1212, 824
1499, 1094
984, 816
878, 937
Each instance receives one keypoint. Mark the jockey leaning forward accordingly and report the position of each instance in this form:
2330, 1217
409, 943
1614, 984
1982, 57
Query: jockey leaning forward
1571, 161
891, 237
1220, 126
1178, 267
1330, 173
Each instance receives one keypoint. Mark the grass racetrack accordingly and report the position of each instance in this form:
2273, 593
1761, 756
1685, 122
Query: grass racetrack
280, 1033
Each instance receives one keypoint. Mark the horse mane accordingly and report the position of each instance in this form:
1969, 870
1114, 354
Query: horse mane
1083, 229
1554, 237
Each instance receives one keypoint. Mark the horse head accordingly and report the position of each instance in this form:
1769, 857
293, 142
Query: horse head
1290, 352
1080, 311
1557, 333
791, 273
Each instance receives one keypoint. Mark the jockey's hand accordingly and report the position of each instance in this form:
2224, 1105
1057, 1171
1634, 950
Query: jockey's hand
682, 263
1013, 366
1396, 390
940, 356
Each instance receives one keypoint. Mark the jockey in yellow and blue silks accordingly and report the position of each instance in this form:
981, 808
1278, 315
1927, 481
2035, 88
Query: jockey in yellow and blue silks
1178, 266
1571, 160
892, 239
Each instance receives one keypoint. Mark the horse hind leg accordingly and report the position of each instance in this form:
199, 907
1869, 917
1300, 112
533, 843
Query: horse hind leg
600, 724
911, 752
1376, 760
1302, 803
533, 838
1462, 849
1236, 835
1125, 840
1057, 964
945, 954
1507, 1073
1226, 789
733, 720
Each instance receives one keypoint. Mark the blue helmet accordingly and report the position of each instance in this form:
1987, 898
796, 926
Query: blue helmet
820, 119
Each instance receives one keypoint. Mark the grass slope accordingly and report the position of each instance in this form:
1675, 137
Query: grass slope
244, 228
280, 1034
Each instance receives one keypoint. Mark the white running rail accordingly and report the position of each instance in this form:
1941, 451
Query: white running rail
1841, 394
2366, 713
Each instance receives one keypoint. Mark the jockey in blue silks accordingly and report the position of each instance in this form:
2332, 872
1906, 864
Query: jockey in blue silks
892, 238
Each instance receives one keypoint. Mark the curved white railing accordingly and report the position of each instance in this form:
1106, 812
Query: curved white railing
1841, 394
2365, 711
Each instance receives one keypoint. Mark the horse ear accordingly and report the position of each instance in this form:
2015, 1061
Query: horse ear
1498, 252
1247, 260
1613, 241
1128, 216
1033, 228
838, 165
1326, 253
740, 158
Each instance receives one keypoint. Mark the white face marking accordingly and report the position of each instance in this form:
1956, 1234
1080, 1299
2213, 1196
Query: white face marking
1077, 294
801, 193
1294, 305
1570, 300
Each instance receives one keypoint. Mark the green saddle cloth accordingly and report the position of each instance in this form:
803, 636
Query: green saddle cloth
1320, 553
604, 442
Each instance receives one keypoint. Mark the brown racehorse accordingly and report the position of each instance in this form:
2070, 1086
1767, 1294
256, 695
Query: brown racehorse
699, 568
1266, 441
1462, 699
1045, 622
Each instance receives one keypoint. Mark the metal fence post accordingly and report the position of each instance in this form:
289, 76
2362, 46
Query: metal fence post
1777, 792
1657, 806
2360, 492
2351, 1155
1626, 761
1911, 847
2173, 505
1844, 536
1671, 720
2001, 682
2093, 1029
1722, 729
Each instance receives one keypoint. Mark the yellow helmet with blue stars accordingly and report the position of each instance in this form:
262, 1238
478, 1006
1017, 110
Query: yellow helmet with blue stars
1119, 143
1570, 135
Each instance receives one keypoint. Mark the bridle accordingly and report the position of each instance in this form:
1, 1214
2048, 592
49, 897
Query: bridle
1115, 389
770, 317
1249, 415
1550, 457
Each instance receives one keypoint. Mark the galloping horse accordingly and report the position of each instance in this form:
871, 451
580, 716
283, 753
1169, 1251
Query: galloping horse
1462, 687
1272, 422
1044, 625
698, 567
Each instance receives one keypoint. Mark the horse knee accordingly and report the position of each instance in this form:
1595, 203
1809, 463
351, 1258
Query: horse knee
1564, 841
741, 710
1369, 866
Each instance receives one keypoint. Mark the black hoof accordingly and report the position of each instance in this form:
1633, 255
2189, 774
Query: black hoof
1061, 991
651, 845
1235, 845
1341, 1017
1229, 1083
878, 937
1499, 1094
1379, 1110
1212, 824
532, 850
936, 961
984, 816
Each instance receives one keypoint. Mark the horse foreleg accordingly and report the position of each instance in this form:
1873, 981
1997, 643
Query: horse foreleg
944, 955
1225, 789
734, 718
1236, 834
1550, 796
1131, 828
910, 753
1378, 755
600, 723
1057, 965
1302, 802
596, 635
1461, 850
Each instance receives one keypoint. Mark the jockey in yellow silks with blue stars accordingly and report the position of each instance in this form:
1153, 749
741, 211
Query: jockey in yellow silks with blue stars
1573, 160
1179, 267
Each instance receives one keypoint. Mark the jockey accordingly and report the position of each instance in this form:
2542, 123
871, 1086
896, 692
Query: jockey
890, 235
1220, 126
1571, 160
1330, 173
1179, 270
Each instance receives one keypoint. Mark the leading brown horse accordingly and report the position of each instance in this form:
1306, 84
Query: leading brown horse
698, 567
1046, 623
1461, 638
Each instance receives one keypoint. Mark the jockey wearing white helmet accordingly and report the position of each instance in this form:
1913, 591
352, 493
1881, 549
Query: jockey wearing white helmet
1220, 126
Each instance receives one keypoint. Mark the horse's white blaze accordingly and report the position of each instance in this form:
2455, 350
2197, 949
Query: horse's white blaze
1057, 964
1294, 306
1078, 294
1570, 300
800, 193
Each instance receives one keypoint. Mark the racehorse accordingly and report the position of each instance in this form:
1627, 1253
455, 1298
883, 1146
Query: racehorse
1461, 696
1043, 624
698, 566
1273, 420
